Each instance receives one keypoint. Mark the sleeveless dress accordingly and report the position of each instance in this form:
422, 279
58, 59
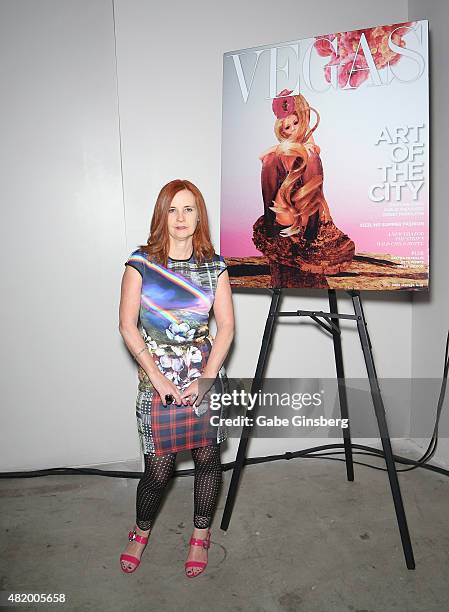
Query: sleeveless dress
174, 323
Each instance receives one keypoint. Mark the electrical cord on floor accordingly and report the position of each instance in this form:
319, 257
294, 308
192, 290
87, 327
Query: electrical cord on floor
307, 453
431, 449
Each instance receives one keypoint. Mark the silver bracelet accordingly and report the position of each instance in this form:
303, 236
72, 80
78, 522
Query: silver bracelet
141, 351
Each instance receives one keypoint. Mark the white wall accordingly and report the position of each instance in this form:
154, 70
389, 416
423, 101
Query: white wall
65, 378
430, 312
68, 382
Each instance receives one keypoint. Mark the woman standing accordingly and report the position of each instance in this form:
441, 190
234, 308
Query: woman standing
168, 289
296, 231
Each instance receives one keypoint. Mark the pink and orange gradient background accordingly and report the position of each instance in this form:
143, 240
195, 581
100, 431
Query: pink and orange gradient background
350, 124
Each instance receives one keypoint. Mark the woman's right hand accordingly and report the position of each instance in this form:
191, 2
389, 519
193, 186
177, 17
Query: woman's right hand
164, 387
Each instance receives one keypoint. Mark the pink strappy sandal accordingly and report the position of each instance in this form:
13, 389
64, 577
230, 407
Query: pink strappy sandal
132, 535
201, 564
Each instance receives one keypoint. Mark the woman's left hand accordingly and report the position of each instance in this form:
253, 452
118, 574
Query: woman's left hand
192, 394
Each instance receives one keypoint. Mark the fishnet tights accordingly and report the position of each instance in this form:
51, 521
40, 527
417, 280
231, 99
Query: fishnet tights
159, 470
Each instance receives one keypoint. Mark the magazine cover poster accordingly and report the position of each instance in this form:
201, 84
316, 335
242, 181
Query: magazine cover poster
325, 148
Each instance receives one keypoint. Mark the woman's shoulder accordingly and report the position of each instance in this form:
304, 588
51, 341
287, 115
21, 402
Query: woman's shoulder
220, 263
140, 254
137, 259
216, 261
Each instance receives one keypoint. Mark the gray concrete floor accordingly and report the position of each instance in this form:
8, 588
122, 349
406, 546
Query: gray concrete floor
301, 538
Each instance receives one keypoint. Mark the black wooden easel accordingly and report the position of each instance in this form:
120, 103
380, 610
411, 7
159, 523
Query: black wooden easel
330, 322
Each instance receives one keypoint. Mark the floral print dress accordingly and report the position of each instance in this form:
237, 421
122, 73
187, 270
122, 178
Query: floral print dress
174, 322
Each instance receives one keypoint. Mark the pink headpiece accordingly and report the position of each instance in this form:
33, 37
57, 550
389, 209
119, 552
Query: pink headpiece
282, 107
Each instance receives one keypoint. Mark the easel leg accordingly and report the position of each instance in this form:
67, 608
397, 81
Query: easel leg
246, 431
341, 385
383, 428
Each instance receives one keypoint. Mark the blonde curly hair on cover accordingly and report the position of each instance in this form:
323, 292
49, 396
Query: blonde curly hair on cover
304, 202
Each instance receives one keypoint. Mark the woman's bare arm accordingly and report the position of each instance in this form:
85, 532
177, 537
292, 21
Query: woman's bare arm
224, 317
128, 318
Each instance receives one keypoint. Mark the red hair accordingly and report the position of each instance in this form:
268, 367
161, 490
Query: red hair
158, 242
